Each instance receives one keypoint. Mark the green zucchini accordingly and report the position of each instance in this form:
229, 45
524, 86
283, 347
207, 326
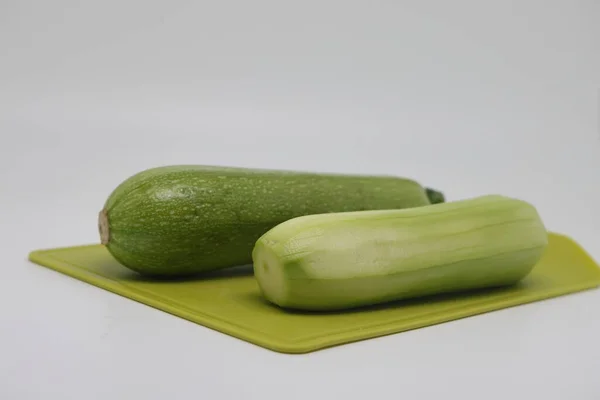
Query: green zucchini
351, 259
184, 219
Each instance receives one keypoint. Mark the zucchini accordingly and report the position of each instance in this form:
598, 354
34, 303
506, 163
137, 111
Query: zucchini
351, 259
184, 219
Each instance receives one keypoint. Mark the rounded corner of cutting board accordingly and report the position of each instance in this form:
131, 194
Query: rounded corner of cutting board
561, 243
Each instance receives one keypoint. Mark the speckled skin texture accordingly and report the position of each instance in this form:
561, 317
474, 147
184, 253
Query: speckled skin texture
181, 220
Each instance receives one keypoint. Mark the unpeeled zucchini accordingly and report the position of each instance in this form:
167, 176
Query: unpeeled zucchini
184, 219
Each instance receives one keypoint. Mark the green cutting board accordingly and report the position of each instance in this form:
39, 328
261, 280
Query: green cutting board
229, 301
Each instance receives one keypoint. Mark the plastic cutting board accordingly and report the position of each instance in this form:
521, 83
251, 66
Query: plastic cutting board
230, 302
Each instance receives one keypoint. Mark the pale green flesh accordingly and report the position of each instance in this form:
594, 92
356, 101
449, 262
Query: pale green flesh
350, 259
181, 220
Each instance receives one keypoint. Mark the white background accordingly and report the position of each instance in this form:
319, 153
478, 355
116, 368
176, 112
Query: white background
472, 97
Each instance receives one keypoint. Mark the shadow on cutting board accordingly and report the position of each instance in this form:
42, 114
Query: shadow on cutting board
227, 273
257, 299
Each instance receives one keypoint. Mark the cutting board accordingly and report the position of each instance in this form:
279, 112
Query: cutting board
229, 301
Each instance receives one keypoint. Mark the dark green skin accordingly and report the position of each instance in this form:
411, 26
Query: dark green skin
185, 219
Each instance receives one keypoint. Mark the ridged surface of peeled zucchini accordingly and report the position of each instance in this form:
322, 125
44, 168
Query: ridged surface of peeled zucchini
351, 259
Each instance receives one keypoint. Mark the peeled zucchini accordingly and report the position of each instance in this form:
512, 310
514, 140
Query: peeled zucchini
350, 259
